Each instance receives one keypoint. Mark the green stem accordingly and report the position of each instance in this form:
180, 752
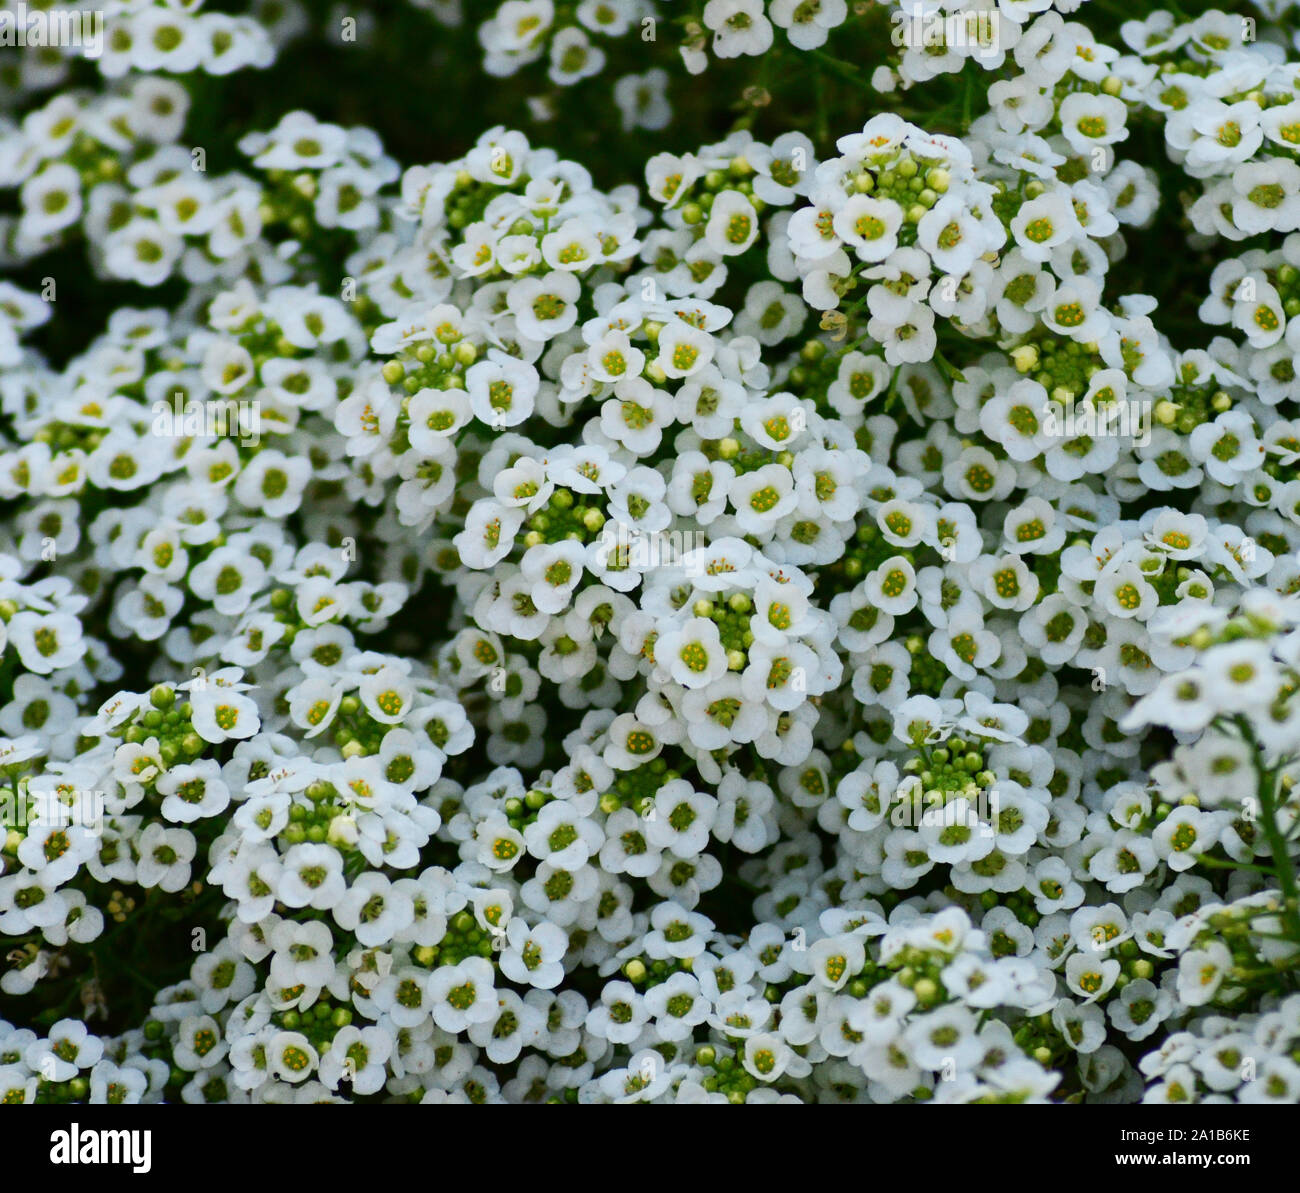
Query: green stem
1283, 867
1218, 863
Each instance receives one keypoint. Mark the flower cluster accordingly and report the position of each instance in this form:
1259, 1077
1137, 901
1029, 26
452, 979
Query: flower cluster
814, 616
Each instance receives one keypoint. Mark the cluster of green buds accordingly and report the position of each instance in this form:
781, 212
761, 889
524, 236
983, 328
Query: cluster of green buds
93, 160
520, 813
1250, 624
813, 372
927, 674
914, 184
918, 970
465, 937
319, 1023
1189, 405
468, 197
1062, 367
437, 364
356, 732
1286, 280
954, 770
726, 1074
646, 973
636, 788
697, 204
167, 721
323, 818
265, 341
63, 437
1039, 1038
288, 201
62, 1093
157, 1046
1133, 965
567, 516
1019, 903
732, 617
743, 460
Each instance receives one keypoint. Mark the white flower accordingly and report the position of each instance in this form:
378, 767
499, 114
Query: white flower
1201, 972
953, 237
502, 390
806, 25
1089, 120
312, 877
221, 714
733, 223
46, 642
692, 653
165, 856
1090, 975
489, 534
573, 57
51, 200
193, 791
545, 307
620, 1014
373, 909
683, 349
738, 27
1042, 224
869, 225
573, 247
762, 497
636, 415
642, 101
681, 819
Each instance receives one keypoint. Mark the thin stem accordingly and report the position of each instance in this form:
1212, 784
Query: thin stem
1277, 845
1218, 863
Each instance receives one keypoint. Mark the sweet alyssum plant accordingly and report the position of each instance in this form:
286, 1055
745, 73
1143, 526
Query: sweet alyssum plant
809, 614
